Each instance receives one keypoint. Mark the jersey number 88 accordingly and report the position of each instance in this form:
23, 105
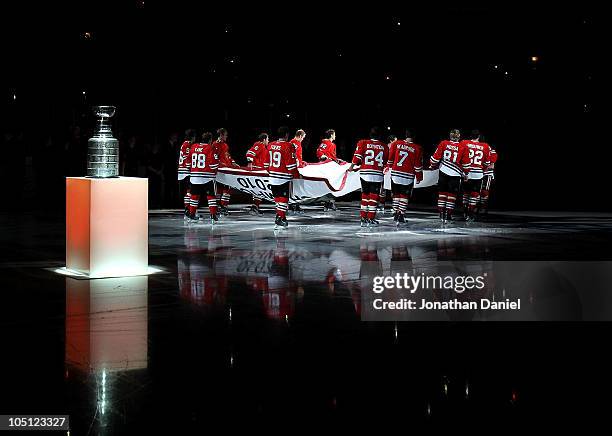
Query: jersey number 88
198, 160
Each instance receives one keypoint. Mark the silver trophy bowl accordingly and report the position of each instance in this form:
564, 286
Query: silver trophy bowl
102, 148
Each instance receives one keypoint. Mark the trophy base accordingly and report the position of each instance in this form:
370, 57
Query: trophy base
102, 177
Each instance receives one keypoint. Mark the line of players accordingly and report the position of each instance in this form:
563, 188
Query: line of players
465, 166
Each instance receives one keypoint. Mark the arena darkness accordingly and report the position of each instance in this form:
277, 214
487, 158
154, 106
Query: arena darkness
526, 77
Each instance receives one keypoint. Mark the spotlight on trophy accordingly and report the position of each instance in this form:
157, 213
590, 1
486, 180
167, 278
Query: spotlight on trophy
102, 148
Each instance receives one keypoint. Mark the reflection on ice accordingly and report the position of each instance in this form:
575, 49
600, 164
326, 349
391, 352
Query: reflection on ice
106, 324
106, 335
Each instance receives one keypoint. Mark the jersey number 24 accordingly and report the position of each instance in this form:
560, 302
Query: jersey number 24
369, 158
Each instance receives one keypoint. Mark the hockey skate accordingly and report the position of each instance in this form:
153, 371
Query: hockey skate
254, 210
444, 217
193, 218
214, 219
399, 219
329, 205
296, 209
280, 222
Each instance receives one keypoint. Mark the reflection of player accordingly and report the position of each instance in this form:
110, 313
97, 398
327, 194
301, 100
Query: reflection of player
406, 164
184, 166
372, 155
480, 159
256, 157
454, 162
204, 163
225, 160
282, 166
279, 297
196, 278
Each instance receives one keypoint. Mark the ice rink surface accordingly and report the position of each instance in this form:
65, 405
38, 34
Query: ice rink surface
512, 235
250, 324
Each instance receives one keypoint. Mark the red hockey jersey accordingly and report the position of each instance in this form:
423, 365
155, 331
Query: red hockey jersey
480, 157
327, 150
372, 155
257, 155
184, 162
225, 159
280, 162
297, 144
204, 163
452, 158
406, 162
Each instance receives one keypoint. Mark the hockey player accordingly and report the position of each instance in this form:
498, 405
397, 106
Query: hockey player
256, 156
489, 176
372, 154
282, 167
480, 158
204, 164
453, 160
406, 165
383, 191
225, 160
184, 166
297, 144
327, 150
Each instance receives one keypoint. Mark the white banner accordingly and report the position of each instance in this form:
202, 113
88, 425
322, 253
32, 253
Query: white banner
317, 180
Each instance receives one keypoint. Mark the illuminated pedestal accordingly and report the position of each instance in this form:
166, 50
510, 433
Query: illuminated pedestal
107, 226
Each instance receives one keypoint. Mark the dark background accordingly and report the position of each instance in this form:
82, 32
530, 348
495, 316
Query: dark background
169, 66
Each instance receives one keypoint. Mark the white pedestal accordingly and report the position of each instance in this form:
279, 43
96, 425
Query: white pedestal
107, 231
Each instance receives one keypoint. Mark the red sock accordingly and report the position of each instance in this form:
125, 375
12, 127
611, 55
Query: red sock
282, 203
474, 200
363, 212
442, 196
396, 202
212, 204
484, 197
187, 198
450, 203
225, 197
372, 206
257, 202
403, 203
193, 204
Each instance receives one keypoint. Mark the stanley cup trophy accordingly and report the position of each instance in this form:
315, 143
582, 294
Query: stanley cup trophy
102, 148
